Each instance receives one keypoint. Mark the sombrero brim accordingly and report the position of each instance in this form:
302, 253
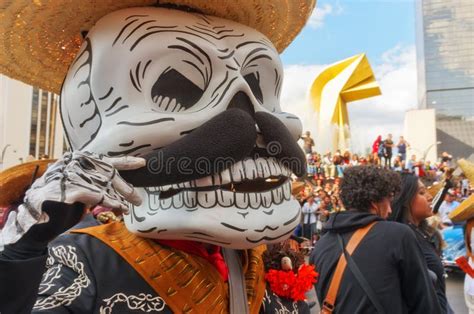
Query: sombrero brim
464, 211
297, 187
16, 180
467, 168
434, 189
40, 38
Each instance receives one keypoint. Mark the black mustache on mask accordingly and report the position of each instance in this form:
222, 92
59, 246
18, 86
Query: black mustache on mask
225, 139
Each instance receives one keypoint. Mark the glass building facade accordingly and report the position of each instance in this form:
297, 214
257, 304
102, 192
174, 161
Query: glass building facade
44, 106
445, 53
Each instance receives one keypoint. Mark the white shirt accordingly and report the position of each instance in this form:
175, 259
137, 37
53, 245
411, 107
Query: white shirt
445, 209
327, 160
309, 216
465, 184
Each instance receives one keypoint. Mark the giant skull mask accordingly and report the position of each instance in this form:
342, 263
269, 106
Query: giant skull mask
146, 78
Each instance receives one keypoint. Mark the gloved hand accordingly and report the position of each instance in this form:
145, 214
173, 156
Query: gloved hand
56, 201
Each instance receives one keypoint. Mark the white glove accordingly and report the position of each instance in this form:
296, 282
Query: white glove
76, 177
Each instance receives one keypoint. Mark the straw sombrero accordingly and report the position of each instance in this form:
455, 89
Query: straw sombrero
297, 187
465, 210
40, 38
467, 168
16, 180
434, 189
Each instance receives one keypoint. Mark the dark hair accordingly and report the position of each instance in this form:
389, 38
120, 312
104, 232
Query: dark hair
401, 206
362, 185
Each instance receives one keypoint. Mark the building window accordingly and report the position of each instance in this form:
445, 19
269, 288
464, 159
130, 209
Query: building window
43, 123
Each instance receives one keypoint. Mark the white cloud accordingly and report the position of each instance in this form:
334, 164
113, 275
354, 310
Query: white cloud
384, 114
316, 19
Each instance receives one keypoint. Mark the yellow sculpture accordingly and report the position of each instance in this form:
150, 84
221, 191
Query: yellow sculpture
342, 82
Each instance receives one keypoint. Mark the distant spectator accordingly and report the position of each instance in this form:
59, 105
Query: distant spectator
326, 205
387, 153
402, 148
419, 169
319, 171
371, 160
446, 159
354, 160
308, 143
410, 165
464, 185
447, 207
398, 164
336, 204
339, 164
329, 167
430, 170
309, 217
376, 153
346, 158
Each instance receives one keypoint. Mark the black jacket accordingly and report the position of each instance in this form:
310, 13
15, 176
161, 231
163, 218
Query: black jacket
433, 261
84, 275
390, 259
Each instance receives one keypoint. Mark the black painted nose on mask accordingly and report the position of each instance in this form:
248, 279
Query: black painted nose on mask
225, 139
280, 143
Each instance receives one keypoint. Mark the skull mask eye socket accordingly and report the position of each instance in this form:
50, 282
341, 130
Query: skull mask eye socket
253, 79
174, 92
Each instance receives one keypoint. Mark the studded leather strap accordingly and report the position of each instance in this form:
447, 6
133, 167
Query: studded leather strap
187, 283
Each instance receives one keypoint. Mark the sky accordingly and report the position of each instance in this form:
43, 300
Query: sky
338, 29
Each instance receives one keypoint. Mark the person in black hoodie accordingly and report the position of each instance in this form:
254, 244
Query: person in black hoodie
389, 256
412, 207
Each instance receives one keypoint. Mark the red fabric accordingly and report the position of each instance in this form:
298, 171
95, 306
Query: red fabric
99, 209
4, 212
375, 146
287, 284
213, 256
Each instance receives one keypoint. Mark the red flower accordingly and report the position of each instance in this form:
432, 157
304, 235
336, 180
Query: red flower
287, 284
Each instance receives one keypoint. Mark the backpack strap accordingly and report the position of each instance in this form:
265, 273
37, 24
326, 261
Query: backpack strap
356, 238
361, 279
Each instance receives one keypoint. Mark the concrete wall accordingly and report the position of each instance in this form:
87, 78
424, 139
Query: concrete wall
15, 115
420, 132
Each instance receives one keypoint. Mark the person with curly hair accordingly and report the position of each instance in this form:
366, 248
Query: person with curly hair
386, 273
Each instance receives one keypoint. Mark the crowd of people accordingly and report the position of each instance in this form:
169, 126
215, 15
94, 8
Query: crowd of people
417, 193
330, 166
321, 193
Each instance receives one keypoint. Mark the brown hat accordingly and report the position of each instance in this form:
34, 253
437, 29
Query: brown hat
467, 168
16, 180
40, 38
297, 187
464, 211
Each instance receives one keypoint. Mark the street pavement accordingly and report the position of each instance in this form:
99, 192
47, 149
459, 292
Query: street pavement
455, 292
